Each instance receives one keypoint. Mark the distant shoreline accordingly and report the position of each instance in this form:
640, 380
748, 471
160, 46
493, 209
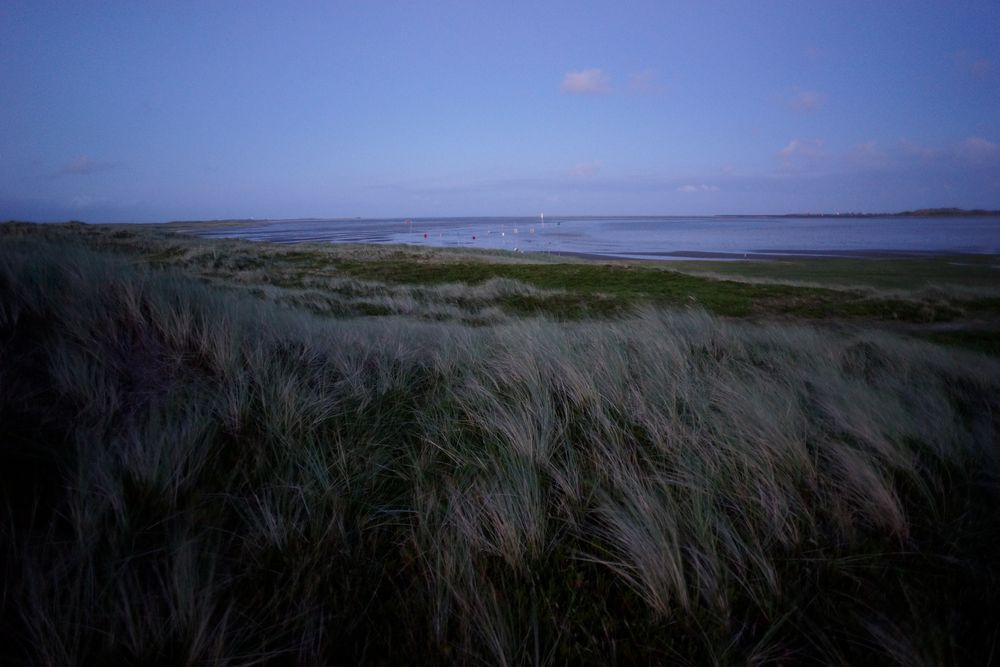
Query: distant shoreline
237, 222
783, 255
918, 213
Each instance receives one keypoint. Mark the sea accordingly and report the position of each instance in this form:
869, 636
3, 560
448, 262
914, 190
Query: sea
716, 238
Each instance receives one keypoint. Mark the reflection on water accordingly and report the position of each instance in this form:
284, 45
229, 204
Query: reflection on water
648, 237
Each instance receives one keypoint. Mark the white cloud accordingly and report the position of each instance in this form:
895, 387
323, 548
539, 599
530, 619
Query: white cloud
586, 82
698, 188
807, 101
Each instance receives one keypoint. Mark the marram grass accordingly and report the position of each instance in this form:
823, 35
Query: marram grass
194, 474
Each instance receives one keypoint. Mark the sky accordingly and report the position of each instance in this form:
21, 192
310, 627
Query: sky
156, 111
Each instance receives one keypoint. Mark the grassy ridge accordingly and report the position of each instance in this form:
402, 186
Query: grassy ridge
202, 465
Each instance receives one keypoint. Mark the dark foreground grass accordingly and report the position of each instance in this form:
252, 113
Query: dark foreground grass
191, 473
986, 342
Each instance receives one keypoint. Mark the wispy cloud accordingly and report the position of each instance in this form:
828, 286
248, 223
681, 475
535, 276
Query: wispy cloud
813, 53
802, 149
82, 166
585, 169
869, 155
91, 201
698, 188
645, 82
912, 149
565, 183
974, 151
971, 63
586, 82
807, 101
978, 150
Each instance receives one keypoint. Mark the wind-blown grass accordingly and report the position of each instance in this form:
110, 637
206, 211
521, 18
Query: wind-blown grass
192, 473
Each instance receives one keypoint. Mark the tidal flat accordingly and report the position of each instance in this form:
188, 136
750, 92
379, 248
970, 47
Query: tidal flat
227, 451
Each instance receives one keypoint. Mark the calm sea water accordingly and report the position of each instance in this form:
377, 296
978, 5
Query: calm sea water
652, 237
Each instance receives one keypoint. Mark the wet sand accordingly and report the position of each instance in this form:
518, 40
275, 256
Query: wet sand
651, 239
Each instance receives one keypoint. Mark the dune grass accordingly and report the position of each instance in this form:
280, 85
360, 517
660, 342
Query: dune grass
198, 466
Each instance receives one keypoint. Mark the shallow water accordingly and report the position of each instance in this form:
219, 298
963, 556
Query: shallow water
652, 237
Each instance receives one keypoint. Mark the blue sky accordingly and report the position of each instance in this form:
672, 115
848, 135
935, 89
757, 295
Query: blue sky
176, 110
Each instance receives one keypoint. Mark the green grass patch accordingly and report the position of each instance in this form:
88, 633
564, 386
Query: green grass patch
896, 273
634, 284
